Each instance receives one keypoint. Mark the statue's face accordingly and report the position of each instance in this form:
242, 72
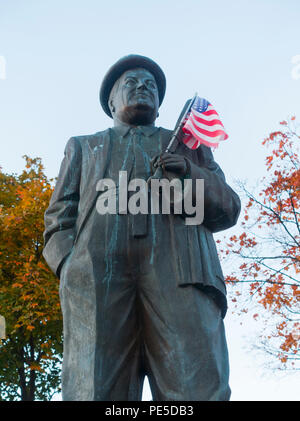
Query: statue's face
134, 98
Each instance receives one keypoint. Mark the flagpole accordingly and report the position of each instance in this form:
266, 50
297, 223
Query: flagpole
174, 136
158, 173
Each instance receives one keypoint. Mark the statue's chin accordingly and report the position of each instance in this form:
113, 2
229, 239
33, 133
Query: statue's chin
139, 115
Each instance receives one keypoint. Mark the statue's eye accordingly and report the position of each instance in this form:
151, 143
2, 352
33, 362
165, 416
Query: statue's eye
151, 84
130, 82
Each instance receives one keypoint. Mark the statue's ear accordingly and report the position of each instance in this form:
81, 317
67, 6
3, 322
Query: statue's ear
111, 106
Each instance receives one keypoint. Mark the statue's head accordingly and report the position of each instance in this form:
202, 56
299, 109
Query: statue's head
132, 90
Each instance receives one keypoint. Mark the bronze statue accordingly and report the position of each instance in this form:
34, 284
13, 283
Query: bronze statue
141, 295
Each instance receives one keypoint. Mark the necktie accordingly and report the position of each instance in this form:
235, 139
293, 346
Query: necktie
139, 221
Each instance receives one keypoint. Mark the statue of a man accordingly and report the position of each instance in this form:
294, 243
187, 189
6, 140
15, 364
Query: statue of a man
141, 295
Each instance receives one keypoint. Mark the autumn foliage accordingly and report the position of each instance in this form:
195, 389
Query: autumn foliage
268, 247
29, 300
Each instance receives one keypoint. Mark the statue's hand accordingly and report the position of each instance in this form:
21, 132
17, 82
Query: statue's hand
170, 162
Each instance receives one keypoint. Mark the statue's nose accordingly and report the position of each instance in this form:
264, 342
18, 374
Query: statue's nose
141, 85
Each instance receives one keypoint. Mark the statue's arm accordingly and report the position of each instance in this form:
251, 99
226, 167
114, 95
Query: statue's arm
61, 215
221, 204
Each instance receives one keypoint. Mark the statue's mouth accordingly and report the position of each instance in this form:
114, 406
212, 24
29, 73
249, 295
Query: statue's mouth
142, 94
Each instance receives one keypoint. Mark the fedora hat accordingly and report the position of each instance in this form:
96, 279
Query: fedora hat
131, 61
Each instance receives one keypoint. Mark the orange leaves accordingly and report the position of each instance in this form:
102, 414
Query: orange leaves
29, 327
245, 241
289, 343
296, 292
36, 367
230, 279
29, 288
17, 285
269, 160
264, 252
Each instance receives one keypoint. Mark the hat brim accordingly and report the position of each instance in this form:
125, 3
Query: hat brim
131, 61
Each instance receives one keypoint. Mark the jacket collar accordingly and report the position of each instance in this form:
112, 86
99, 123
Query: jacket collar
124, 129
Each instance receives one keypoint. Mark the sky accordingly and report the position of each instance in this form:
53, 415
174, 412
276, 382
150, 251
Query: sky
243, 56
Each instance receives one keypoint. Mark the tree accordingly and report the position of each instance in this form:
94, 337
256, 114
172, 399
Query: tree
30, 356
268, 246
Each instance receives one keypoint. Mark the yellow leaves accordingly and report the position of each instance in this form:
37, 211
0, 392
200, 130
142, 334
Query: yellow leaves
30, 288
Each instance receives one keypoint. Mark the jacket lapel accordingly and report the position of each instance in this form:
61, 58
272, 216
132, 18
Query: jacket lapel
97, 155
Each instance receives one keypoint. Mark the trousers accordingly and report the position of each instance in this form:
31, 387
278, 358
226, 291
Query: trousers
146, 325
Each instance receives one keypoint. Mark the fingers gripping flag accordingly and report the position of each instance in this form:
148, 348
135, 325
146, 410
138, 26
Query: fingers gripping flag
203, 126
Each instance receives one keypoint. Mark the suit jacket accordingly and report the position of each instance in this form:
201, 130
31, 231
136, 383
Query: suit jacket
86, 161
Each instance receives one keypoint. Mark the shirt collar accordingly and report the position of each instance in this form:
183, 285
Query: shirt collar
123, 130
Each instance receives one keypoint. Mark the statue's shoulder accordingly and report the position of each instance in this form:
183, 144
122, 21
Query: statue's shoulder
91, 137
91, 140
165, 134
165, 131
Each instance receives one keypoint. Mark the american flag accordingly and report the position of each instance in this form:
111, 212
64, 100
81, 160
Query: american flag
203, 126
